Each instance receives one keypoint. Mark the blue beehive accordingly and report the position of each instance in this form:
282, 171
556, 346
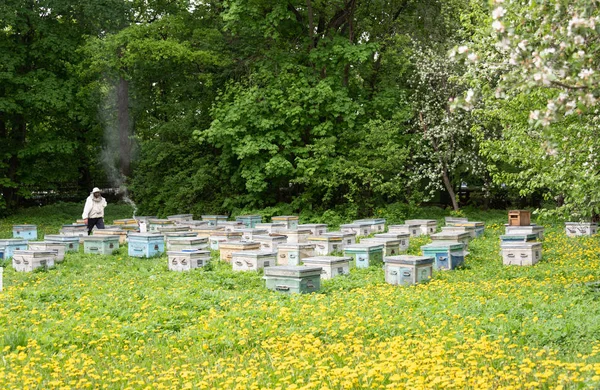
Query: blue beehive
365, 255
27, 232
525, 237
447, 255
145, 244
249, 220
71, 243
12, 245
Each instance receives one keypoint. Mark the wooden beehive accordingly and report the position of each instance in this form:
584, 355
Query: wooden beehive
519, 218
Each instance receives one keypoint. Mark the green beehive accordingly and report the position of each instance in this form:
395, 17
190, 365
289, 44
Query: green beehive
293, 279
365, 255
101, 245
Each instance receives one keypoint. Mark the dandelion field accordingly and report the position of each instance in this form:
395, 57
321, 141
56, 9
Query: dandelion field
122, 323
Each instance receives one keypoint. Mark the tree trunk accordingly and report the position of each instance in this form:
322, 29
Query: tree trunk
19, 130
123, 126
449, 187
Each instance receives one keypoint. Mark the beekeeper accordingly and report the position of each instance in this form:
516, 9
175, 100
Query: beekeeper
93, 211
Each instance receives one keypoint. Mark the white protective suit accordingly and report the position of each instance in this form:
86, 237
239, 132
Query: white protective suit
94, 208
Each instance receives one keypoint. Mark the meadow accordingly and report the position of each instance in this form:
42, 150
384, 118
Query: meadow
116, 322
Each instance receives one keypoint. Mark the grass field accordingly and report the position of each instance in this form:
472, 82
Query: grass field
122, 323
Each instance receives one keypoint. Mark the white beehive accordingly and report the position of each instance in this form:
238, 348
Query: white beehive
29, 260
249, 233
391, 246
292, 254
531, 229
48, 246
217, 237
348, 238
332, 265
230, 226
412, 230
325, 245
428, 226
361, 229
404, 239
521, 253
274, 227
252, 260
377, 224
460, 229
296, 236
270, 242
574, 229
316, 229
226, 249
407, 270
180, 217
290, 221
187, 243
186, 260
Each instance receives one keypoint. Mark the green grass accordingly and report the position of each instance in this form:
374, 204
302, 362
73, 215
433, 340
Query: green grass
121, 322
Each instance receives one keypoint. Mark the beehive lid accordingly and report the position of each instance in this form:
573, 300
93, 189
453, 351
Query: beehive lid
214, 217
239, 244
252, 230
378, 240
457, 228
297, 246
126, 221
145, 235
397, 236
223, 233
285, 218
405, 226
171, 229
249, 217
179, 234
312, 225
25, 227
519, 237
363, 248
326, 260
74, 226
456, 219
61, 238
108, 232
254, 254
188, 240
292, 271
450, 236
46, 243
228, 223
520, 245
36, 253
326, 238
339, 234
16, 241
420, 222
180, 216
270, 237
101, 238
159, 221
270, 225
373, 221
190, 253
443, 245
145, 217
581, 224
471, 223
516, 228
354, 225
299, 231
409, 260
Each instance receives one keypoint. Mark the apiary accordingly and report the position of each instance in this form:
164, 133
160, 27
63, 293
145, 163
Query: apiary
293, 254
58, 247
391, 246
77, 230
126, 221
187, 243
155, 224
248, 234
377, 224
272, 227
29, 260
219, 236
186, 260
226, 249
296, 236
252, 260
71, 243
113, 232
521, 253
208, 231
407, 270
403, 237
331, 266
519, 217
460, 229
11, 245
180, 217
361, 229
365, 255
26, 232
348, 238
145, 244
574, 229
231, 226
457, 237
428, 226
290, 221
518, 237
293, 279
325, 245
249, 221
447, 255
412, 230
316, 229
531, 229
270, 242
214, 220
100, 245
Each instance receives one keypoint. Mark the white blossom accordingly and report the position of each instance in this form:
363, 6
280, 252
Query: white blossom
498, 26
498, 12
585, 73
462, 49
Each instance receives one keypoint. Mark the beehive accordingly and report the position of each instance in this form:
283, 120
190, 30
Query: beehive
412, 230
404, 239
71, 243
270, 242
172, 235
249, 221
230, 226
521, 253
26, 232
316, 229
126, 221
75, 230
377, 224
519, 218
325, 245
208, 231
293, 279
290, 221
457, 237
29, 260
214, 220
348, 238
180, 217
187, 260
294, 253
365, 255
391, 246
48, 246
145, 244
531, 229
518, 237
248, 234
187, 243
171, 229
252, 260
11, 245
193, 224
573, 229
154, 225
455, 219
100, 245
460, 229
331, 266
219, 236
272, 227
407, 270
296, 236
478, 226
427, 226
113, 232
226, 249
361, 229
447, 255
